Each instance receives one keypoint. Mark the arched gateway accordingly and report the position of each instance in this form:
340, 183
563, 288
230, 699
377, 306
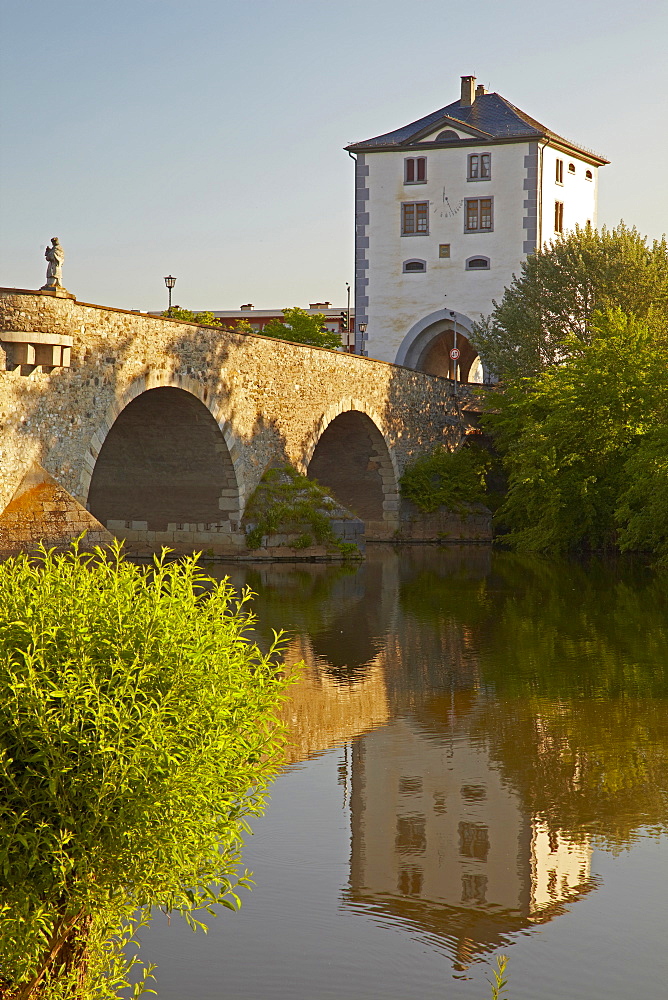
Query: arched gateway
427, 345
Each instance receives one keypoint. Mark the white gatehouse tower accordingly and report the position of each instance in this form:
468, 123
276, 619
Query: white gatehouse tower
446, 210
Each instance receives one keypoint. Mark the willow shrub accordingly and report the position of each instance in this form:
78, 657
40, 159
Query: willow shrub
137, 733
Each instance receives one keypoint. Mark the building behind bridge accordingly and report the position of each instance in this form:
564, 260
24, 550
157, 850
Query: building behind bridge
446, 210
338, 319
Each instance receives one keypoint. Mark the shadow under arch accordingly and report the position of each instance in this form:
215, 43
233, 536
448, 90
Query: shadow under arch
348, 454
164, 460
426, 347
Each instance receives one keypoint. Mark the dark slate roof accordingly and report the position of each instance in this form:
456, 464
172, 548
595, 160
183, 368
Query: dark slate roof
489, 117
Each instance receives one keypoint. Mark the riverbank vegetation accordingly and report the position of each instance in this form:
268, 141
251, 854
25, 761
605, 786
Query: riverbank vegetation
445, 478
137, 734
581, 417
296, 508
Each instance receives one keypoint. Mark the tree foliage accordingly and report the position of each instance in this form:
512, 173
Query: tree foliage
583, 447
446, 478
137, 734
302, 327
550, 307
187, 316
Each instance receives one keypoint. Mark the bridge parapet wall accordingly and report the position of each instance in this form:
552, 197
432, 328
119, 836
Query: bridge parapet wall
271, 399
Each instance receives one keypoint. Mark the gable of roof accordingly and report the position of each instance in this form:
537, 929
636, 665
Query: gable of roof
490, 118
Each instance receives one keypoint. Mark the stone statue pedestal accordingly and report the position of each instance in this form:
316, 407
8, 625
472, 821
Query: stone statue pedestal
58, 291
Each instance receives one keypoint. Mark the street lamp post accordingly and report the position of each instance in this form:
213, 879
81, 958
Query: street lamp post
348, 317
362, 329
170, 282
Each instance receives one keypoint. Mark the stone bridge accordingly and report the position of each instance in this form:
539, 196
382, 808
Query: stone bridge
162, 429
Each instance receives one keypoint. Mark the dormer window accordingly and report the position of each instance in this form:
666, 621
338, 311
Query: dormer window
447, 135
479, 166
414, 265
415, 170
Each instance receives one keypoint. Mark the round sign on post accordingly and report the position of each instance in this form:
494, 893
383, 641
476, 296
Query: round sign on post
454, 353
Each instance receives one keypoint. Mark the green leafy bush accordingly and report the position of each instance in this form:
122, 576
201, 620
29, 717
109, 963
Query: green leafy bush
446, 478
642, 513
137, 734
286, 502
583, 446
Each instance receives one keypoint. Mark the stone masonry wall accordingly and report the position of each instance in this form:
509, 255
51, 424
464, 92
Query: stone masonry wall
272, 400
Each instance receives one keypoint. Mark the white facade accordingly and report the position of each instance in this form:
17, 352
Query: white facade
577, 191
446, 211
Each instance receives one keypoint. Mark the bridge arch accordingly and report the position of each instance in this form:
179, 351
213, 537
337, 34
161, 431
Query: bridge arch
348, 454
164, 456
426, 347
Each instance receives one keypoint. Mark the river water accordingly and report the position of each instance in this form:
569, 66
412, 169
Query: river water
478, 765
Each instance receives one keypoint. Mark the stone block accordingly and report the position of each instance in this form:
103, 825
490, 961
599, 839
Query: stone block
164, 537
228, 503
117, 525
139, 525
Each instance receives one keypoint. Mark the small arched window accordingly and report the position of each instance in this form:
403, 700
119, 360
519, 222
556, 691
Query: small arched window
477, 264
447, 135
414, 265
571, 168
589, 175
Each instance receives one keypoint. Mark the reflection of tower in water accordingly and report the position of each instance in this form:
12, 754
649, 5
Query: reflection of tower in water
441, 843
442, 840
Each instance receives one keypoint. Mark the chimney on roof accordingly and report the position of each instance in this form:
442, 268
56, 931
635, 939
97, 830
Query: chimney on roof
480, 90
247, 307
468, 91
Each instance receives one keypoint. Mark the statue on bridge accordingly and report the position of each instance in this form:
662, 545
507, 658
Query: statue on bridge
55, 256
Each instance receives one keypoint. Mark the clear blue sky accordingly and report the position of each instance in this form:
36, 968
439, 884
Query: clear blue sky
204, 138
